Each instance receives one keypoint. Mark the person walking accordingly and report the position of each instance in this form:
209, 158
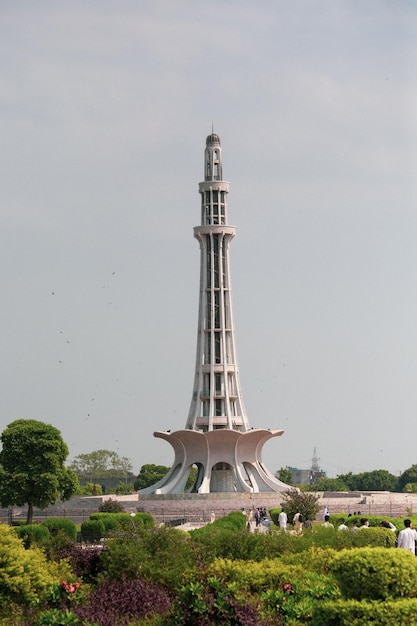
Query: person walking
282, 520
298, 523
407, 538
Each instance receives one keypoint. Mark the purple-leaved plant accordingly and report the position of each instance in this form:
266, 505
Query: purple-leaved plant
117, 602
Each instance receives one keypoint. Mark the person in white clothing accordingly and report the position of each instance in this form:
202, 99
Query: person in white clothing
327, 523
298, 523
282, 520
342, 525
407, 538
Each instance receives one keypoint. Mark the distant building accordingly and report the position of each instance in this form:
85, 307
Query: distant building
308, 476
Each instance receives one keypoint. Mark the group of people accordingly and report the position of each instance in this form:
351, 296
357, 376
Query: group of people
299, 522
407, 538
257, 519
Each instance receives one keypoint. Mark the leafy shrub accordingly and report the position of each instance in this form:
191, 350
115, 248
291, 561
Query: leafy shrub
89, 489
117, 521
66, 594
235, 520
24, 574
143, 519
295, 501
330, 538
111, 506
32, 534
354, 613
315, 559
218, 542
84, 561
56, 617
122, 601
222, 542
110, 521
375, 573
57, 525
374, 520
273, 513
123, 490
156, 553
257, 576
92, 530
295, 601
212, 601
374, 537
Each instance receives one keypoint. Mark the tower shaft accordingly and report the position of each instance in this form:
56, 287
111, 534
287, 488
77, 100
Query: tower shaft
217, 398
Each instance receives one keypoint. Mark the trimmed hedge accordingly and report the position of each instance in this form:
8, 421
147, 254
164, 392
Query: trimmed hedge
374, 520
375, 573
358, 613
32, 534
66, 526
110, 521
92, 530
274, 515
118, 521
254, 577
234, 521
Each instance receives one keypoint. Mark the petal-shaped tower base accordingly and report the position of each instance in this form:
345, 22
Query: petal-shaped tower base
227, 461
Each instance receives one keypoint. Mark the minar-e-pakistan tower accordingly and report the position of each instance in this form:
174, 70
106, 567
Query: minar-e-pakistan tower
217, 438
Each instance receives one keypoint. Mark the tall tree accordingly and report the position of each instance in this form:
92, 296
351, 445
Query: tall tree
32, 469
285, 475
377, 480
101, 464
149, 475
329, 484
295, 501
408, 477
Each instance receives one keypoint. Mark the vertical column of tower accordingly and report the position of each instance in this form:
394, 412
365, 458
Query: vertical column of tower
217, 398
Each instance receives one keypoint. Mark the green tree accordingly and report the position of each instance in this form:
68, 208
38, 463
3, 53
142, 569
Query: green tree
350, 480
101, 464
32, 469
284, 474
377, 480
330, 484
149, 475
409, 476
295, 501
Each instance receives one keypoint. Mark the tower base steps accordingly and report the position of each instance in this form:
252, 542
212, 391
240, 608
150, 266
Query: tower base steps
196, 507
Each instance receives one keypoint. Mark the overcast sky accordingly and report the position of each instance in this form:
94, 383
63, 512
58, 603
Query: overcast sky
104, 111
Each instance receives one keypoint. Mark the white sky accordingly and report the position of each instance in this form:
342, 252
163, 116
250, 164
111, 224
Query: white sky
104, 111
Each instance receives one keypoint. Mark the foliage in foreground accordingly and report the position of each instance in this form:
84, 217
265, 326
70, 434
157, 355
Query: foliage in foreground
122, 601
160, 554
24, 574
358, 613
212, 601
224, 575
